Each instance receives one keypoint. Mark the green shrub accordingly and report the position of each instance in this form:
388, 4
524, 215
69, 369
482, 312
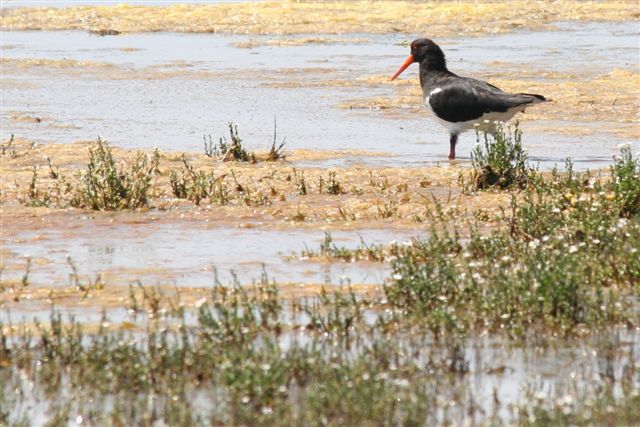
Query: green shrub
228, 151
554, 265
625, 173
198, 185
105, 186
500, 161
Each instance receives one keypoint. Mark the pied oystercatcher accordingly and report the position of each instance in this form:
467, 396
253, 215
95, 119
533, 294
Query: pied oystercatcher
461, 103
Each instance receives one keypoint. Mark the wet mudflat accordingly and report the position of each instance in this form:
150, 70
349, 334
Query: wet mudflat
319, 286
168, 89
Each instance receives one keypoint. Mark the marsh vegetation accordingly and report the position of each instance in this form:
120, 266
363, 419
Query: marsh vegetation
558, 267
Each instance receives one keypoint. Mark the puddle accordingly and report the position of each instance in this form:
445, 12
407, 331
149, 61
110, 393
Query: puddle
169, 89
187, 256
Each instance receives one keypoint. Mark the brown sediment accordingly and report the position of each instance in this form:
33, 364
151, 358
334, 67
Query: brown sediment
100, 70
319, 17
269, 195
156, 302
279, 42
109, 296
167, 70
18, 116
26, 117
22, 63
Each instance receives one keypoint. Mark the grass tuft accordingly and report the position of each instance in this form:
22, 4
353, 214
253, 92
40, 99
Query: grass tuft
198, 185
500, 161
276, 152
105, 186
228, 151
328, 249
625, 173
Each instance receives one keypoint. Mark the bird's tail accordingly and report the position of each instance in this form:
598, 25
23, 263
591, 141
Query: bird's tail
537, 98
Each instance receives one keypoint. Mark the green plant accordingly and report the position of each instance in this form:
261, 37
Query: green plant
105, 186
8, 147
500, 161
198, 185
229, 151
300, 182
625, 173
330, 186
36, 197
363, 252
276, 152
11, 149
553, 266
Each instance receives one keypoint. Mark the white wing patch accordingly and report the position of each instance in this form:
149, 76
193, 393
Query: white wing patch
433, 92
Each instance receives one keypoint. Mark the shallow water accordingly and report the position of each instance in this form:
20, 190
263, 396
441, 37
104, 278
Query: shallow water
169, 89
187, 256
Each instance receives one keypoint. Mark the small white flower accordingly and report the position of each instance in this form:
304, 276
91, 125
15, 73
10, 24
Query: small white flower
565, 400
624, 146
573, 248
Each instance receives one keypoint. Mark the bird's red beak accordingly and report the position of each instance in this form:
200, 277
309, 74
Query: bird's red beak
403, 67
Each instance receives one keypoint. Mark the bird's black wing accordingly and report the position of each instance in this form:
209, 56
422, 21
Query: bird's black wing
462, 99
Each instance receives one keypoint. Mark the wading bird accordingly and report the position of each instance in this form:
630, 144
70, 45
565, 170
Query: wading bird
462, 103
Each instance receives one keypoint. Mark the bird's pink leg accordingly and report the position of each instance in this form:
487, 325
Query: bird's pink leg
452, 146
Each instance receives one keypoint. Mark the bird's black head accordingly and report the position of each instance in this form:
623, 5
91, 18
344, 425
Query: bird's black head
426, 53
425, 50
